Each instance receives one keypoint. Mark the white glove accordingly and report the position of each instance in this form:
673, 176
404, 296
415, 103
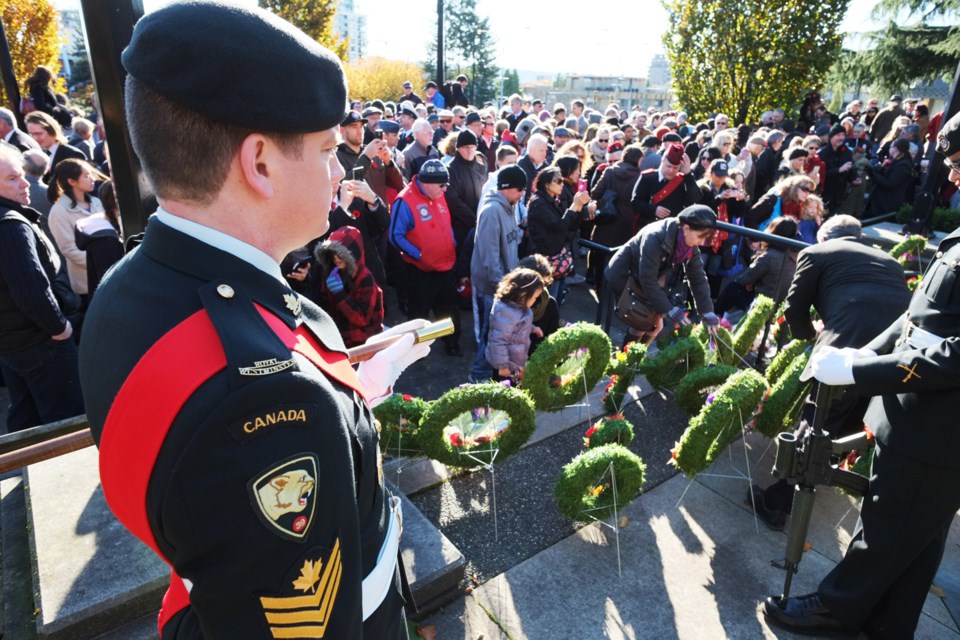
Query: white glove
834, 366
378, 374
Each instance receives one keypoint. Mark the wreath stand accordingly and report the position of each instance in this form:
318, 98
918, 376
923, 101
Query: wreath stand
614, 525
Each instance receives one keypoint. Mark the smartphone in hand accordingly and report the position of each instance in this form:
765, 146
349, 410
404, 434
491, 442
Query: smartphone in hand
581, 185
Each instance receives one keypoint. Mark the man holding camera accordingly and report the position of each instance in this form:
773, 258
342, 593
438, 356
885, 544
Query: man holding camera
913, 371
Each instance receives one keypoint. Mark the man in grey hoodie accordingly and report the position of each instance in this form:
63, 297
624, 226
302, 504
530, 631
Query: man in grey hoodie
495, 253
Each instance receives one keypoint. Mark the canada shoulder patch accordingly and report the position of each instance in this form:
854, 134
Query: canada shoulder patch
270, 420
305, 603
284, 496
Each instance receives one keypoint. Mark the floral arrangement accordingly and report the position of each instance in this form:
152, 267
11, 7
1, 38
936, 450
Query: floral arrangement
613, 429
692, 391
859, 462
751, 325
720, 348
669, 366
719, 422
585, 487
781, 405
785, 358
914, 282
908, 252
399, 417
477, 424
623, 367
566, 366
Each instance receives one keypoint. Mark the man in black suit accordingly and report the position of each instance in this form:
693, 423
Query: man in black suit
913, 369
534, 160
664, 192
843, 280
12, 135
48, 134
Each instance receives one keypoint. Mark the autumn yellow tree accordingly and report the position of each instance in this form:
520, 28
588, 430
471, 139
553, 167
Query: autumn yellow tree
373, 78
314, 18
33, 33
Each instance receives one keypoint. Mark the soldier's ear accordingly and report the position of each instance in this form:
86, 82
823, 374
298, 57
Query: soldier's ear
257, 157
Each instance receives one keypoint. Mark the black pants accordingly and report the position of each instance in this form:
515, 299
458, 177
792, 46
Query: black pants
881, 583
434, 291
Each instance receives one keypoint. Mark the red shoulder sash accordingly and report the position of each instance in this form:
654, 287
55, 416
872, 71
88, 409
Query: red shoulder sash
149, 401
667, 189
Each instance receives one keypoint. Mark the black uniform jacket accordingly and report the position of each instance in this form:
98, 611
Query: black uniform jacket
857, 291
916, 411
686, 194
266, 494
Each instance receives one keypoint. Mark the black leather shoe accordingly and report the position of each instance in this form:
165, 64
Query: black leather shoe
805, 615
774, 519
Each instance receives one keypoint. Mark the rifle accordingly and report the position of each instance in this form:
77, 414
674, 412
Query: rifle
29, 446
807, 462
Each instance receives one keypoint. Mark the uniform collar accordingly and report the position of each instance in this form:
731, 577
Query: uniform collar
220, 240
210, 262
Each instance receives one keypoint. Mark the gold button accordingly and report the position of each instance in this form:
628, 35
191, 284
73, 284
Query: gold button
225, 291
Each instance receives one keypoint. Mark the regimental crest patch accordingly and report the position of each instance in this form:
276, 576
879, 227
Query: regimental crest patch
424, 212
305, 613
284, 496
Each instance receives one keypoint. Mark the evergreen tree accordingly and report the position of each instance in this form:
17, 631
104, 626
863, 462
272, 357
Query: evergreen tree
511, 82
468, 49
746, 57
923, 48
314, 18
80, 61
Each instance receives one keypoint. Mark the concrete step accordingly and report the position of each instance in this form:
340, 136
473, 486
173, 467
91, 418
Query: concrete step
93, 579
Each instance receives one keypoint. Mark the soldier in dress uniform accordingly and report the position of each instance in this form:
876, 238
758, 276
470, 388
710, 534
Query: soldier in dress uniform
235, 438
913, 370
664, 192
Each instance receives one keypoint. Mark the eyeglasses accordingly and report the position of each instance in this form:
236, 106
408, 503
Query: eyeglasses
603, 140
557, 181
813, 147
806, 189
727, 144
446, 121
488, 124
952, 165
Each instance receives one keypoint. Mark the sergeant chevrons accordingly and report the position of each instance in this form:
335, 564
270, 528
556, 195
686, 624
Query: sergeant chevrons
273, 530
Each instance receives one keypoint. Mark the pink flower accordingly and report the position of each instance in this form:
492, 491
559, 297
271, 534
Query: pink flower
407, 397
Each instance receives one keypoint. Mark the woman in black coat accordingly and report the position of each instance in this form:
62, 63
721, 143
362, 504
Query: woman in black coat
548, 223
891, 180
617, 183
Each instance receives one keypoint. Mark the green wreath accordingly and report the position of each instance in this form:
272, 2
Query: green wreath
778, 410
399, 417
669, 366
723, 344
477, 424
613, 429
785, 358
692, 391
751, 325
585, 488
908, 252
719, 422
623, 367
555, 374
861, 463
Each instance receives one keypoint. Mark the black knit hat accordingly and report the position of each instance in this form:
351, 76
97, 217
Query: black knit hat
797, 152
242, 66
433, 172
466, 137
511, 177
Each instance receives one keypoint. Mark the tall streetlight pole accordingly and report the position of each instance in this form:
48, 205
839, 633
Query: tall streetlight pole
439, 43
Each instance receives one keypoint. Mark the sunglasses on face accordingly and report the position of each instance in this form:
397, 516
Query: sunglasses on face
602, 140
953, 165
806, 189
557, 181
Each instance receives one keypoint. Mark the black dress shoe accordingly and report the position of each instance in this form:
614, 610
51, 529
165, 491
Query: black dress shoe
774, 519
806, 615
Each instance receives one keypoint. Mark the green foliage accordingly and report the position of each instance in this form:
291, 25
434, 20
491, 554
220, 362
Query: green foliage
722, 345
744, 58
540, 378
718, 423
511, 82
693, 390
674, 362
313, 17
780, 408
451, 405
585, 488
623, 368
752, 324
399, 417
610, 430
783, 359
944, 219
908, 251
469, 47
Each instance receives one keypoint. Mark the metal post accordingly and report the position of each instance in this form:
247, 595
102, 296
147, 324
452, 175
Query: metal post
440, 79
108, 26
10, 84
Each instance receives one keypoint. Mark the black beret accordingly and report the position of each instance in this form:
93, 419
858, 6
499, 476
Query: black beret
241, 66
797, 152
472, 117
465, 138
389, 126
948, 139
698, 216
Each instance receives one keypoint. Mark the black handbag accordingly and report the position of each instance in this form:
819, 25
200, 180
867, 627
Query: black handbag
607, 210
